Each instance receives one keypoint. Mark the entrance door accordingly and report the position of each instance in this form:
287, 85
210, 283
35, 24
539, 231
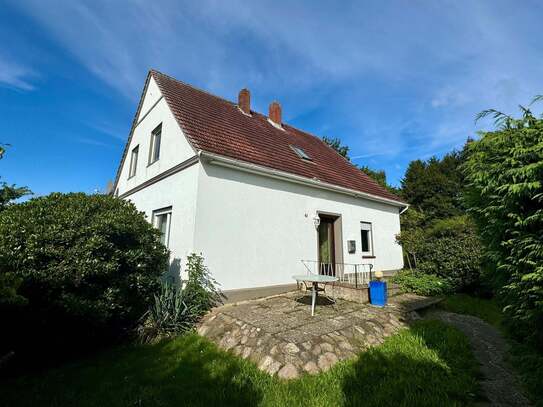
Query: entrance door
326, 246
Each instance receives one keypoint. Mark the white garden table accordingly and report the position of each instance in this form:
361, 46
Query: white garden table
314, 279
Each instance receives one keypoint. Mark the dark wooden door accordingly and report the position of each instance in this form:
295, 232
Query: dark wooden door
326, 246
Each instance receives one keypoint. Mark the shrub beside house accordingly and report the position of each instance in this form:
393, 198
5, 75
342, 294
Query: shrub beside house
87, 267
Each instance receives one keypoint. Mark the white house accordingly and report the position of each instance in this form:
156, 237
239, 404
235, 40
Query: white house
260, 199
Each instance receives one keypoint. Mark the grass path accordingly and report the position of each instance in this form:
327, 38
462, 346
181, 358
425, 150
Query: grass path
500, 384
524, 358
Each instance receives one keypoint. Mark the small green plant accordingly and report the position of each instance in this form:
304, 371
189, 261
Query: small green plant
201, 291
176, 308
421, 283
167, 316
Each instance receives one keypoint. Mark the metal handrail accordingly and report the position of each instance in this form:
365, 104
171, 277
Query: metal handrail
352, 273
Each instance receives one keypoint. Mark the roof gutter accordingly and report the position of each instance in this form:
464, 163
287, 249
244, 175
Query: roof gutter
270, 172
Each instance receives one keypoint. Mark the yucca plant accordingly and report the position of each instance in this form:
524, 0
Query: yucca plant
168, 314
177, 308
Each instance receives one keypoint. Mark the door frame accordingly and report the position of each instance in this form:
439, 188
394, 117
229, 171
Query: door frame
334, 219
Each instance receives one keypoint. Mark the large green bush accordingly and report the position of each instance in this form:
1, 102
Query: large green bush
88, 266
448, 248
505, 196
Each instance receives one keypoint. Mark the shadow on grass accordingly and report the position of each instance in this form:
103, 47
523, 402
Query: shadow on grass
428, 365
186, 371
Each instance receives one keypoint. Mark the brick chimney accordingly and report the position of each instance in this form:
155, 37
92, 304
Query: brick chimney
275, 112
244, 101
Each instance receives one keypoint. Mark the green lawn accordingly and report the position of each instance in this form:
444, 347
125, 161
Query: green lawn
429, 364
527, 361
486, 309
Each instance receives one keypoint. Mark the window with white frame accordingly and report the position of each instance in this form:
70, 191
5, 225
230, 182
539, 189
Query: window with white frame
367, 238
133, 161
162, 219
154, 149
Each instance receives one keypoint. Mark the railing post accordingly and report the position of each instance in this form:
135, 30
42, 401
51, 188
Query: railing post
355, 276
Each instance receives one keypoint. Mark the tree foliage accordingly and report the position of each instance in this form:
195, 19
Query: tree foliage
448, 248
88, 266
504, 172
9, 193
335, 143
377, 175
380, 177
9, 284
434, 187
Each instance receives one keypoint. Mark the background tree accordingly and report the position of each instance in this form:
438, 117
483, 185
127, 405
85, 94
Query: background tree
9, 283
377, 175
335, 143
435, 186
9, 193
380, 177
504, 172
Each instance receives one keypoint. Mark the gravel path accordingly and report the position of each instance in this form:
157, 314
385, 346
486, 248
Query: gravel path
499, 384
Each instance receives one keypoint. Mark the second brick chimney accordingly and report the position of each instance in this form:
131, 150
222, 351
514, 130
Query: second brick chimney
244, 101
275, 112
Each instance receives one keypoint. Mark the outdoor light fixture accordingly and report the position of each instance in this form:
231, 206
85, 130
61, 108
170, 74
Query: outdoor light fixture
317, 221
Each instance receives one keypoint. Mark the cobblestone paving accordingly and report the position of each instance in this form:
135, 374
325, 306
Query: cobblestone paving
280, 336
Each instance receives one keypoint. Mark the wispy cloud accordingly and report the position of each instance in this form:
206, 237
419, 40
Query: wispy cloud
93, 142
15, 75
108, 129
396, 81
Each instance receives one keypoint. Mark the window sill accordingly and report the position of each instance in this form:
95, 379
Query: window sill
368, 257
131, 176
148, 165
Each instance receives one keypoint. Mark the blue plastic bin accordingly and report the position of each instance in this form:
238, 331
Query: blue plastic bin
378, 293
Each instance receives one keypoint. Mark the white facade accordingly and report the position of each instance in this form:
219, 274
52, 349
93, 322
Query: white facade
253, 229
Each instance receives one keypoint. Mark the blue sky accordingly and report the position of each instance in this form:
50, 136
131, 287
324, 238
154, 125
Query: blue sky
394, 80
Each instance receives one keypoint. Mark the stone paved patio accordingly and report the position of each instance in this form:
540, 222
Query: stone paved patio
280, 336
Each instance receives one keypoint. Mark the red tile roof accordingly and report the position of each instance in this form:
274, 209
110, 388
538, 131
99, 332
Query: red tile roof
217, 126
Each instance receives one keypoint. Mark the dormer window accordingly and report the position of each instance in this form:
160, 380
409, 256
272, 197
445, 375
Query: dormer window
154, 150
301, 153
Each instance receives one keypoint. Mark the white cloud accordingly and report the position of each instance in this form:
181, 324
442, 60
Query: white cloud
399, 80
108, 129
15, 75
93, 142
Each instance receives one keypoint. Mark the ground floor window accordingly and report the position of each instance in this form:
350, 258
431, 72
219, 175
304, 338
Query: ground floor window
162, 221
367, 239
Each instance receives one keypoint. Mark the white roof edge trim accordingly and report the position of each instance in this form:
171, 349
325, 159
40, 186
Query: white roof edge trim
258, 169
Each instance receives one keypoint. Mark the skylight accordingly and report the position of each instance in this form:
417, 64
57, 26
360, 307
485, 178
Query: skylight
301, 153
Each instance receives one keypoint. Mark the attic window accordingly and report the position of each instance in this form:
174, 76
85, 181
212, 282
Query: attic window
301, 153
